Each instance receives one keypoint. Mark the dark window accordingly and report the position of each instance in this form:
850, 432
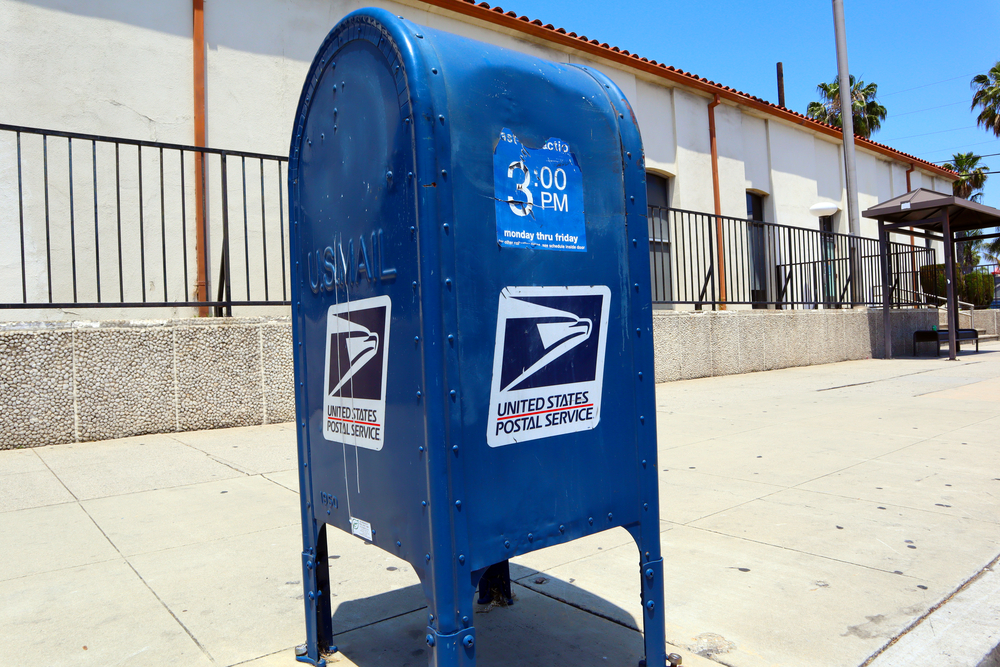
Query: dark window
757, 250
826, 224
657, 192
755, 207
829, 268
657, 197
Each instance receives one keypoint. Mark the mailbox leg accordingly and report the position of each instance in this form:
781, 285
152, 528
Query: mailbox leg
496, 580
319, 616
451, 637
454, 650
653, 629
653, 606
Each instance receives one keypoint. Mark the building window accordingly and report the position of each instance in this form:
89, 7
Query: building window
757, 249
755, 206
657, 190
826, 224
658, 198
828, 263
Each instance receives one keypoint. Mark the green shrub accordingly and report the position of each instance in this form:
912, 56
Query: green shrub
975, 288
978, 289
932, 279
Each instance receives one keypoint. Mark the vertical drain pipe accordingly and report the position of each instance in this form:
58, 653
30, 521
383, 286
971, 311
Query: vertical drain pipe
198, 16
718, 202
908, 189
913, 257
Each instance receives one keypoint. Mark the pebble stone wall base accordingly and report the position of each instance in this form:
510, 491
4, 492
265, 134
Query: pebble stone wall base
987, 321
702, 344
82, 381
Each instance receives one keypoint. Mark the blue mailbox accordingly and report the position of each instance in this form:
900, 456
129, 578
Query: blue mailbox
471, 316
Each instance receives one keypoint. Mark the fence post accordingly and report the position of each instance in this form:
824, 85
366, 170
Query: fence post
226, 277
884, 249
200, 248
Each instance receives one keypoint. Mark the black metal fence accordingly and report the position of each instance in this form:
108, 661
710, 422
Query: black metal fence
705, 260
98, 222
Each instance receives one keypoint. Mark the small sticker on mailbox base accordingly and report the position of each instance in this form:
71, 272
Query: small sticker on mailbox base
548, 364
361, 528
357, 337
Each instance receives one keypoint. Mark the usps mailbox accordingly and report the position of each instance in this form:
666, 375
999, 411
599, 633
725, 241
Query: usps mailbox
471, 315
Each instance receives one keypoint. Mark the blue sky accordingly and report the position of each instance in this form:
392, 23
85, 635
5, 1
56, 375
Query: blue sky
921, 54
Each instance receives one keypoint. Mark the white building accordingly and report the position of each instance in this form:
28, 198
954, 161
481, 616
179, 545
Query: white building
129, 69
87, 221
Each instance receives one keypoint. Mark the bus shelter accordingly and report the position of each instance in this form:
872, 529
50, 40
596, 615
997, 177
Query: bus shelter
938, 217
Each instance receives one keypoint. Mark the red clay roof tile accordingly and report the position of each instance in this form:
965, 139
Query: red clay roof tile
484, 12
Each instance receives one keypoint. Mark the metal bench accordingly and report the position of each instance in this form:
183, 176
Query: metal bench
941, 336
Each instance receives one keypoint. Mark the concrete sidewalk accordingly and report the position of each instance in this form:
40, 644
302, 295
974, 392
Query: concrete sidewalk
811, 516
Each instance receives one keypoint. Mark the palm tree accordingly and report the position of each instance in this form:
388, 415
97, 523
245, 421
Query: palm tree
992, 249
969, 185
866, 112
987, 96
971, 175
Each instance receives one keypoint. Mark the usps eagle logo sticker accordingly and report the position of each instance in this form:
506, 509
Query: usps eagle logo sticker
357, 338
548, 364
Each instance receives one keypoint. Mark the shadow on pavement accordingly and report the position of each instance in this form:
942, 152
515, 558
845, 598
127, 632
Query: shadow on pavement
536, 630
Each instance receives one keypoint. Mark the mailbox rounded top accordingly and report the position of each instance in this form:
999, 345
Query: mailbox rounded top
470, 274
446, 84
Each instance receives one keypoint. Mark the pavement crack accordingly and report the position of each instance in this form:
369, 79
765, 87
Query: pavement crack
886, 379
273, 481
887, 546
211, 456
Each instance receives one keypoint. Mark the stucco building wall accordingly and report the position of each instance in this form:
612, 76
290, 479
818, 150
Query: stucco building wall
124, 68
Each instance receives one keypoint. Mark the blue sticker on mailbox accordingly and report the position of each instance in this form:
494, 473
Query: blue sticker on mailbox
539, 195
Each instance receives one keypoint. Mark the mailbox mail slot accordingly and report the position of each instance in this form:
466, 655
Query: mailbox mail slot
471, 315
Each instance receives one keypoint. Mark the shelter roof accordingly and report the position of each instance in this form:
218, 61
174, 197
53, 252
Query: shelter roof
925, 209
511, 21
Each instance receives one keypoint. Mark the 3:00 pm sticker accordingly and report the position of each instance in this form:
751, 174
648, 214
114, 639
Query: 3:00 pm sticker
539, 195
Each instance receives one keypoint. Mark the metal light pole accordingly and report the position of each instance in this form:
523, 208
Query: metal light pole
847, 121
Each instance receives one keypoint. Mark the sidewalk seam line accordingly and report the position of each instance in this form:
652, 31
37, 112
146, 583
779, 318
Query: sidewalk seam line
575, 606
117, 558
56, 475
148, 587
801, 551
381, 620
